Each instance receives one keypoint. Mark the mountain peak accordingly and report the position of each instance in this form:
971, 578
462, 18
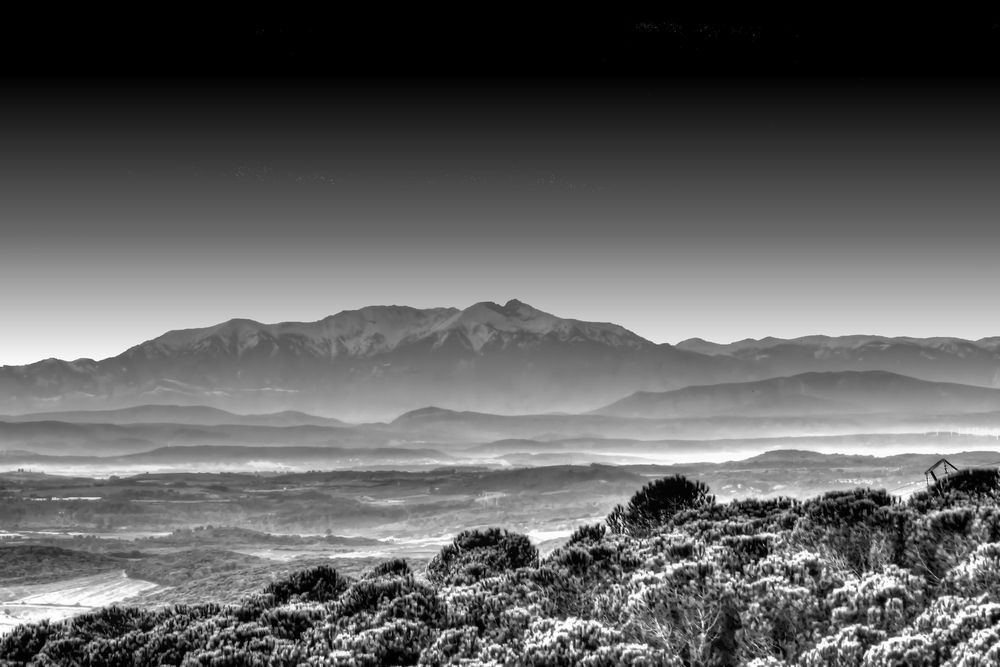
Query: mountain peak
518, 308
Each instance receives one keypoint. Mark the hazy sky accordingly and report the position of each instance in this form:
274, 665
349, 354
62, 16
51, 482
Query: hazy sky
712, 209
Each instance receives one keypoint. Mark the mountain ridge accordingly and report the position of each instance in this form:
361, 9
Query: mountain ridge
380, 361
814, 392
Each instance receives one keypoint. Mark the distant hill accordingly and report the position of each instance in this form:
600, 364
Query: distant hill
939, 359
829, 393
177, 414
69, 438
201, 454
209, 457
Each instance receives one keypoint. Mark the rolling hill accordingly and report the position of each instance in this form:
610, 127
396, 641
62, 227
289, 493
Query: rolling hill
192, 415
940, 359
826, 393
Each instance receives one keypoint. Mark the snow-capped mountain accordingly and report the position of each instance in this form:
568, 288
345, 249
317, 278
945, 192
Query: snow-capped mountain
381, 329
380, 361
372, 362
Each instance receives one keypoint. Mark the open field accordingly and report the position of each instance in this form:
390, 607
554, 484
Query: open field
66, 598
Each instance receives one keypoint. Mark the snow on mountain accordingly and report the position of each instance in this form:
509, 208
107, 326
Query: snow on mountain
508, 358
487, 322
351, 333
380, 329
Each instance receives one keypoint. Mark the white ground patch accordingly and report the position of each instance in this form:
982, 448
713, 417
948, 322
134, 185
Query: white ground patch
63, 599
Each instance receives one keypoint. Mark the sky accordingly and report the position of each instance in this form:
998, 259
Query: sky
719, 208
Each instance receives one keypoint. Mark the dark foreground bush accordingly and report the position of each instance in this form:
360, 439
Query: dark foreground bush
589, 533
971, 482
477, 554
656, 503
397, 567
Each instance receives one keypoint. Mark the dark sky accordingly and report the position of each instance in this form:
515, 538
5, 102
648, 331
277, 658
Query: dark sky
678, 176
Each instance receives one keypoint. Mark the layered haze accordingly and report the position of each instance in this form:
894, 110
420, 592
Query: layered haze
494, 385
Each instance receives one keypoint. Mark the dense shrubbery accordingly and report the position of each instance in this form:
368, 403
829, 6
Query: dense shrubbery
976, 482
852, 579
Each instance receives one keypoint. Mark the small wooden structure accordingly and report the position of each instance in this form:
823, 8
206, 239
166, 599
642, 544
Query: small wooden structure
944, 467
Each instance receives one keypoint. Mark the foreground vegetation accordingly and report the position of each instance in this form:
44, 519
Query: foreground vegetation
672, 577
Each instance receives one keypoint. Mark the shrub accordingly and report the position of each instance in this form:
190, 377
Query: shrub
397, 567
317, 584
885, 600
477, 554
845, 648
594, 532
656, 503
977, 574
837, 508
861, 527
970, 485
971, 482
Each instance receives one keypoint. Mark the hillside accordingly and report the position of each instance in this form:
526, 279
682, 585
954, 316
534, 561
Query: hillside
199, 415
942, 359
829, 393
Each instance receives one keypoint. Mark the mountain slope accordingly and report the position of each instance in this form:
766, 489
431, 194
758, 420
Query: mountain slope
936, 359
817, 393
176, 414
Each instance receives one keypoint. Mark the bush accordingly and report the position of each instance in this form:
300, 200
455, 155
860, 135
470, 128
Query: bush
971, 482
477, 554
885, 601
317, 584
967, 486
656, 503
865, 528
397, 567
838, 508
594, 532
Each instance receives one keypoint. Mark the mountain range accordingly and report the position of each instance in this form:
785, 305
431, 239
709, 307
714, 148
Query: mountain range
939, 359
381, 361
